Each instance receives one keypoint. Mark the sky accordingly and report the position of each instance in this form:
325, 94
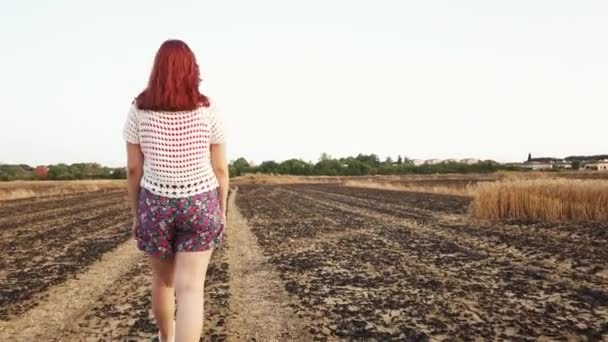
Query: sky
294, 79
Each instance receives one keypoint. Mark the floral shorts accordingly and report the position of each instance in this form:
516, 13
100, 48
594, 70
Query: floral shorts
169, 225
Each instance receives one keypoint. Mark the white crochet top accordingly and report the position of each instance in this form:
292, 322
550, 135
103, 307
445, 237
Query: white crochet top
176, 149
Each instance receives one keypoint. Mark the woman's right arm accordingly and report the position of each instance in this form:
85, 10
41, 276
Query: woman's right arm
135, 171
135, 162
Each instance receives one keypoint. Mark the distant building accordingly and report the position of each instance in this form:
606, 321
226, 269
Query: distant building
537, 165
41, 171
562, 165
470, 161
545, 164
433, 161
596, 166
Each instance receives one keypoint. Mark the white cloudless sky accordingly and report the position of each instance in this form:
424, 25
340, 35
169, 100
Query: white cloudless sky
424, 79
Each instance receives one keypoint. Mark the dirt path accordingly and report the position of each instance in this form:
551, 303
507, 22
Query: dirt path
63, 303
259, 305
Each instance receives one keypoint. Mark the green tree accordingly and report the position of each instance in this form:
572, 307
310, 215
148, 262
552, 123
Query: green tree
118, 173
239, 167
16, 172
328, 167
371, 159
269, 166
324, 156
241, 163
75, 171
59, 172
232, 171
356, 168
295, 167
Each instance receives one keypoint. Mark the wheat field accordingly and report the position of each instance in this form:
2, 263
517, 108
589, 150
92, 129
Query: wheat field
551, 200
26, 189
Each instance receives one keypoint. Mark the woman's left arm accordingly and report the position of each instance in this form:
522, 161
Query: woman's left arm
219, 160
220, 169
135, 170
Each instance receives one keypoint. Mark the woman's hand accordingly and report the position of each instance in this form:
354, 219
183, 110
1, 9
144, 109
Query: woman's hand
134, 229
135, 171
224, 217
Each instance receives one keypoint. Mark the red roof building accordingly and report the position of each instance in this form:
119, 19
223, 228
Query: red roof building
41, 171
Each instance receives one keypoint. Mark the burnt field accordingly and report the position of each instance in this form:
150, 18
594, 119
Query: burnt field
45, 242
311, 262
387, 265
69, 271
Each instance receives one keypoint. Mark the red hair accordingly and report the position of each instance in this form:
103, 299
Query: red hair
174, 80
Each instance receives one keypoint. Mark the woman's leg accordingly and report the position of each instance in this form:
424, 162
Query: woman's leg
190, 271
163, 295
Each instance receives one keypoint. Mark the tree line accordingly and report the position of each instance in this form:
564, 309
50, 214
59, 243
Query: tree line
361, 165
76, 171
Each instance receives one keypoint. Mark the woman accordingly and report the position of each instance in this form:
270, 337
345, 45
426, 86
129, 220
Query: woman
178, 187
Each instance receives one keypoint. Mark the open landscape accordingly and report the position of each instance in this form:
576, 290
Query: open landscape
387, 171
312, 260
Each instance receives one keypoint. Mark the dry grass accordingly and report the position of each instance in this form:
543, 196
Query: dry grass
513, 175
436, 189
26, 189
259, 178
552, 200
284, 179
395, 181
